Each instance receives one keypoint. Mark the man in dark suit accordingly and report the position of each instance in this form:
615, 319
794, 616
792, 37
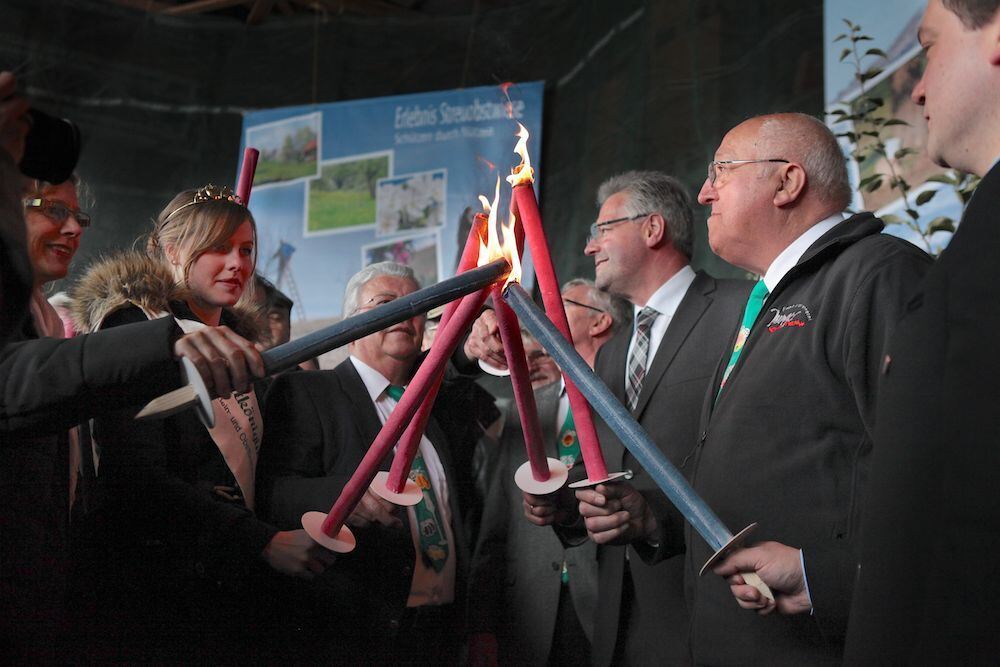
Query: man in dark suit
396, 597
535, 598
660, 367
786, 435
927, 585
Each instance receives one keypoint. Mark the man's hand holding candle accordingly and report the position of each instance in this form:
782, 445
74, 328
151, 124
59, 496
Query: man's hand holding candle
616, 514
374, 509
779, 566
294, 553
557, 508
484, 341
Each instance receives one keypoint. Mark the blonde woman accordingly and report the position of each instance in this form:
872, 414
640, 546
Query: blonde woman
178, 542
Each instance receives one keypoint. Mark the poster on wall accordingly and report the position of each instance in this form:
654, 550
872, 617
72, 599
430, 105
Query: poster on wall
346, 184
892, 28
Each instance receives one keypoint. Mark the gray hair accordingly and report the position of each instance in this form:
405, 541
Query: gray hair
617, 308
807, 140
973, 14
370, 272
655, 192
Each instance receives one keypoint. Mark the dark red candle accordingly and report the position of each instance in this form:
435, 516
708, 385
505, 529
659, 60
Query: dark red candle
247, 170
528, 215
524, 395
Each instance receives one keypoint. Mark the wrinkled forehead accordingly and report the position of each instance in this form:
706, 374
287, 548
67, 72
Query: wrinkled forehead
578, 293
740, 143
387, 286
64, 192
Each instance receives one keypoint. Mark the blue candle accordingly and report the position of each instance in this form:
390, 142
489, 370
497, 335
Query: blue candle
663, 472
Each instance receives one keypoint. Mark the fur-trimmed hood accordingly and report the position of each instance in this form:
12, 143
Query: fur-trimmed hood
132, 278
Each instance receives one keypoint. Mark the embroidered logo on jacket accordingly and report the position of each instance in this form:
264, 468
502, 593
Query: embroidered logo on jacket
796, 315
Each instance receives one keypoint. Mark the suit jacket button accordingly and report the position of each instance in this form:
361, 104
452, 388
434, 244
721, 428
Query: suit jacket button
556, 566
407, 571
394, 624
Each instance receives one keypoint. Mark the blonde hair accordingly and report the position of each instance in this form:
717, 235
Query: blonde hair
196, 229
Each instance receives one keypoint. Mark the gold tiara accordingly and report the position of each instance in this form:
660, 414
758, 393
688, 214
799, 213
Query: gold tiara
208, 193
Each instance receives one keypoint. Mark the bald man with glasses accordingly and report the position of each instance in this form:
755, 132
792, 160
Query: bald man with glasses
786, 434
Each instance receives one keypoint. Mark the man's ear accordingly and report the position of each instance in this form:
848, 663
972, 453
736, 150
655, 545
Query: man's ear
993, 34
791, 186
600, 325
654, 230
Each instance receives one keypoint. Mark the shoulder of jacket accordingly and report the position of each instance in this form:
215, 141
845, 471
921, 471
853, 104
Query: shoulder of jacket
119, 280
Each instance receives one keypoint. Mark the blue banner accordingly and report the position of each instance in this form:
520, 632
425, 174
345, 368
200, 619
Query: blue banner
342, 185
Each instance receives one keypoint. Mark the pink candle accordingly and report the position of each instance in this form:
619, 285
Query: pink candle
524, 395
410, 442
401, 416
247, 171
528, 215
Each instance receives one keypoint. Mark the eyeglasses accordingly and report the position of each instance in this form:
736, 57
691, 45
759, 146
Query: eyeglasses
376, 301
58, 212
582, 305
598, 228
713, 167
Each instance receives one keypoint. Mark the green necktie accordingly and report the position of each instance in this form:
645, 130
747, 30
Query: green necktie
569, 444
569, 452
754, 303
433, 543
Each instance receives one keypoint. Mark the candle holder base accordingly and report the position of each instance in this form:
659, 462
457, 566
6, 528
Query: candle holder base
751, 578
204, 405
410, 495
735, 543
612, 477
343, 542
558, 473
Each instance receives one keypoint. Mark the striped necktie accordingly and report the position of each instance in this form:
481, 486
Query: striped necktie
640, 355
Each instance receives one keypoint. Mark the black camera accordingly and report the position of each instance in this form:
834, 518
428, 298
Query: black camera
51, 149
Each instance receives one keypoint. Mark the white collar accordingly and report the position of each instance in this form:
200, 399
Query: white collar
668, 297
375, 382
791, 255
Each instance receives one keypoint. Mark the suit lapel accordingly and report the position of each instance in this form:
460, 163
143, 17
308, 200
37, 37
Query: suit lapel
365, 418
692, 307
547, 402
616, 351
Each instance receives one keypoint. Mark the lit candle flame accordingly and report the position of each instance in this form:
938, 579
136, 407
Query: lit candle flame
493, 249
522, 173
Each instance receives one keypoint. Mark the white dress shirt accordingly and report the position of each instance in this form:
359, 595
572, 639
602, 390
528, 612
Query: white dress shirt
428, 587
791, 255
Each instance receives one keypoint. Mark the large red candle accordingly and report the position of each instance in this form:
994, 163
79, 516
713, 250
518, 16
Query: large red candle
247, 170
410, 442
524, 395
528, 215
401, 416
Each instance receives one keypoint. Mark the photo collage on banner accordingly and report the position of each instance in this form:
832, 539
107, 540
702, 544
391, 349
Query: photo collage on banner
340, 186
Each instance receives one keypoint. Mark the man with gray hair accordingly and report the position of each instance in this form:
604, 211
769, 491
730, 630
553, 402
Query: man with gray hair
659, 365
396, 595
786, 431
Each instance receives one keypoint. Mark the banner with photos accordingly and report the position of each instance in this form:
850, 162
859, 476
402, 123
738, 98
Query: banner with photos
343, 185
